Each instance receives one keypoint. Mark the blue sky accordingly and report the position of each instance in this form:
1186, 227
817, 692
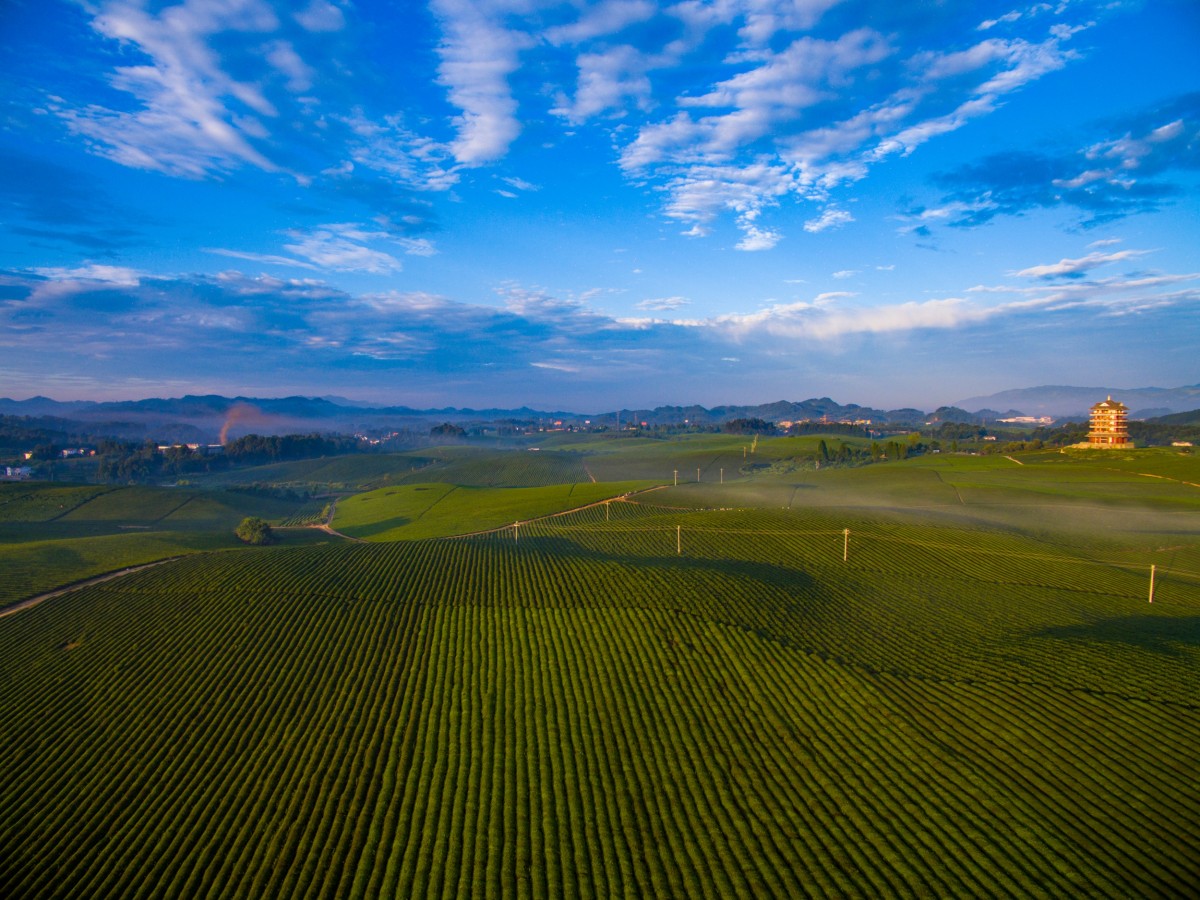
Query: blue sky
586, 205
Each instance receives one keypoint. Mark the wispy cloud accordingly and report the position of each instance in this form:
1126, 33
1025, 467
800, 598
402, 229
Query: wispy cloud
338, 247
662, 303
1107, 180
387, 145
1075, 268
830, 218
193, 118
321, 16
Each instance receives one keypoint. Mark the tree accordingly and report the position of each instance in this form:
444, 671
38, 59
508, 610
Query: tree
446, 429
748, 426
254, 530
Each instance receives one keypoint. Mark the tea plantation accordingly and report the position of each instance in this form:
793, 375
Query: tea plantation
930, 678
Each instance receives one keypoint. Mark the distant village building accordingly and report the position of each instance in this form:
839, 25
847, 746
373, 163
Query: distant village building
1028, 420
1109, 429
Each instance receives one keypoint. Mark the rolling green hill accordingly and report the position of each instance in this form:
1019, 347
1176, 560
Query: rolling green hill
439, 510
938, 676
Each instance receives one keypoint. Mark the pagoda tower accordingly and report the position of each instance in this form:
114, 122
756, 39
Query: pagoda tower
1109, 429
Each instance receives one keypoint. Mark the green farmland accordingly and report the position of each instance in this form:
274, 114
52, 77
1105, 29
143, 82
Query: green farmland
933, 677
440, 509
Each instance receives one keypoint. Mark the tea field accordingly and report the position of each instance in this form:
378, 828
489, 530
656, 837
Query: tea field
937, 677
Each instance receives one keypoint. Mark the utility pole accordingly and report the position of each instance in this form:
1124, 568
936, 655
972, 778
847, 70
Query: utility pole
722, 476
605, 510
676, 478
678, 540
697, 473
845, 545
1152, 584
516, 531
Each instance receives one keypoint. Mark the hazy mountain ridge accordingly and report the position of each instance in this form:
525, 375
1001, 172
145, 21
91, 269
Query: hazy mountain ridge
1065, 400
211, 416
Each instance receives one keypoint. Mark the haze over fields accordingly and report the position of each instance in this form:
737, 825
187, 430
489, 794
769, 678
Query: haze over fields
604, 205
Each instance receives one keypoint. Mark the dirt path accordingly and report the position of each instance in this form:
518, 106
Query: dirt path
327, 525
99, 579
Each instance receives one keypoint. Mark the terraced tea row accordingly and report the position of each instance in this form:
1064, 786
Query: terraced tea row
581, 714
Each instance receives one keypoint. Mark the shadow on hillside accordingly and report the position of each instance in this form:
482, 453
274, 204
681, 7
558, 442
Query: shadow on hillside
1160, 634
765, 573
366, 531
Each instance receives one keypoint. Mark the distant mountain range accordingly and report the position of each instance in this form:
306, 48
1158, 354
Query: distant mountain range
1061, 400
212, 417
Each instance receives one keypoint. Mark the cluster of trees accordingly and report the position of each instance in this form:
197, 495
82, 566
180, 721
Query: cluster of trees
257, 448
121, 461
749, 426
254, 530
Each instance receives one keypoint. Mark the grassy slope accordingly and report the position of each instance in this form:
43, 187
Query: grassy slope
52, 535
436, 510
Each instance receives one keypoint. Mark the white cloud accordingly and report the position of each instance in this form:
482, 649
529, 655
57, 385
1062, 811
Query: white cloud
191, 120
845, 273
777, 90
992, 23
1078, 266
953, 210
321, 16
766, 18
606, 79
756, 238
823, 322
830, 218
283, 56
662, 303
269, 259
601, 20
700, 193
94, 274
417, 246
343, 247
478, 55
419, 162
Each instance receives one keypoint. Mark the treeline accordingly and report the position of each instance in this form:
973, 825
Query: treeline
257, 448
121, 461
46, 434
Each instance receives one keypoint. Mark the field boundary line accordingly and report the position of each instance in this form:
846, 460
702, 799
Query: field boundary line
173, 510
79, 585
107, 490
620, 498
